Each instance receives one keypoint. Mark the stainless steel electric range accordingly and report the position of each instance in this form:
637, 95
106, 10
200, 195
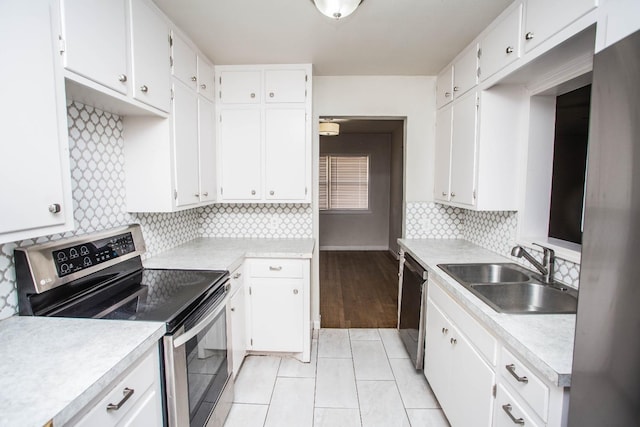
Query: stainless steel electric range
100, 275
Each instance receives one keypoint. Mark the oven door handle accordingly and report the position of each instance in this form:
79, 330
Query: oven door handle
200, 326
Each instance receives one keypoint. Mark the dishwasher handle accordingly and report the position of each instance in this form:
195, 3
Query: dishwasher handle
411, 264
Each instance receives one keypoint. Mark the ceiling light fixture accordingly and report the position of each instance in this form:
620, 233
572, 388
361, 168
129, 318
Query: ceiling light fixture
337, 9
329, 129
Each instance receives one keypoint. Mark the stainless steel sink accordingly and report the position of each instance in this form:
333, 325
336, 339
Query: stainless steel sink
511, 288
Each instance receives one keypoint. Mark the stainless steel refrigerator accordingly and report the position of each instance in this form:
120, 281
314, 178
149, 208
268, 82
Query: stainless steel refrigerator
605, 383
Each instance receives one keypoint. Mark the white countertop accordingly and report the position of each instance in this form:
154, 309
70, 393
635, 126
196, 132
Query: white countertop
206, 253
543, 340
50, 367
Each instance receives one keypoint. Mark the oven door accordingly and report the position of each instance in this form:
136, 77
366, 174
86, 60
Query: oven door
199, 392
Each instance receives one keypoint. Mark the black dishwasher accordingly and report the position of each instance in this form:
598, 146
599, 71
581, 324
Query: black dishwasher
412, 303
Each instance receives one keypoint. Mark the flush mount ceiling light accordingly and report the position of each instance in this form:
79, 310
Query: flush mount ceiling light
329, 129
337, 9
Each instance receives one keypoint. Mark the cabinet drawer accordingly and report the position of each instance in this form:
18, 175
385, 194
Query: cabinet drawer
530, 387
510, 412
277, 268
477, 335
140, 379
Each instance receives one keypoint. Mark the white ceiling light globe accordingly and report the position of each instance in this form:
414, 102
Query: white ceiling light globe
337, 9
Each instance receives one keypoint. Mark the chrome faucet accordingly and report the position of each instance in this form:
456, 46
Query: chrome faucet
547, 268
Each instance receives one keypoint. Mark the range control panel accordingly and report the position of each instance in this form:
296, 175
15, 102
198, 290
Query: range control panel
72, 259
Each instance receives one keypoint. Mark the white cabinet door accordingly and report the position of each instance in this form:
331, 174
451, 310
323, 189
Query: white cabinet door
463, 150
437, 353
151, 68
185, 144
95, 36
207, 150
441, 184
276, 314
185, 63
240, 87
238, 329
444, 87
206, 79
465, 71
544, 18
501, 46
240, 153
34, 144
285, 85
285, 154
472, 382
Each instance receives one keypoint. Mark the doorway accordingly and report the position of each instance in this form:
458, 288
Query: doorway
361, 198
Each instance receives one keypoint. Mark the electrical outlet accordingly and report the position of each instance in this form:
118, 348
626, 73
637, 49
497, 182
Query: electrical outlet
274, 223
426, 225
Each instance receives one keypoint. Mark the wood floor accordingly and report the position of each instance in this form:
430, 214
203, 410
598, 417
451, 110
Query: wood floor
358, 289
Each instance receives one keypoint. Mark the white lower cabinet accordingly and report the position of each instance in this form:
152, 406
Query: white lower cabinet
237, 315
477, 379
135, 399
278, 306
461, 380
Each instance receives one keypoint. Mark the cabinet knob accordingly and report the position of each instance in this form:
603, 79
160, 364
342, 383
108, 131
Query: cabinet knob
271, 95
237, 275
194, 78
233, 309
453, 341
253, 95
205, 194
528, 36
144, 88
445, 330
444, 193
203, 86
295, 292
447, 94
509, 50
55, 208
453, 194
196, 195
253, 192
122, 78
456, 88
272, 192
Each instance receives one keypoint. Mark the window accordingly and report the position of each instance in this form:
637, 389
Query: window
569, 165
344, 183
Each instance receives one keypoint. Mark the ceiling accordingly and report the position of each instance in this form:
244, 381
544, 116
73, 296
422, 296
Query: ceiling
382, 37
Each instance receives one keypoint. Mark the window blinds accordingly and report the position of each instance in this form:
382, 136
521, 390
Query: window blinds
344, 182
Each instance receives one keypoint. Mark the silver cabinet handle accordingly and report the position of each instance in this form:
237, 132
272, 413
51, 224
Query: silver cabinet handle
253, 192
295, 292
444, 193
272, 192
447, 94
205, 194
453, 194
122, 78
453, 341
196, 195
253, 95
194, 78
237, 275
509, 50
203, 86
512, 370
275, 268
271, 95
127, 393
144, 88
528, 36
233, 309
55, 208
445, 330
456, 88
507, 408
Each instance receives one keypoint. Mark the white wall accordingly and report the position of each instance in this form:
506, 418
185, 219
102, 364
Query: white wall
408, 97
368, 230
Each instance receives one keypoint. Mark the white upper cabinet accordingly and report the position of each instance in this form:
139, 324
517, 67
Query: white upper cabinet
36, 191
206, 79
544, 18
465, 71
501, 45
285, 154
285, 85
444, 87
185, 145
150, 59
95, 36
441, 180
240, 86
264, 133
463, 150
206, 149
185, 62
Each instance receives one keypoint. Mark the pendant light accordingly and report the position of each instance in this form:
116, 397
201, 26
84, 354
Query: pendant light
337, 9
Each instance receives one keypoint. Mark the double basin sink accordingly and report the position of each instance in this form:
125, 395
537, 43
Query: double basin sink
510, 288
